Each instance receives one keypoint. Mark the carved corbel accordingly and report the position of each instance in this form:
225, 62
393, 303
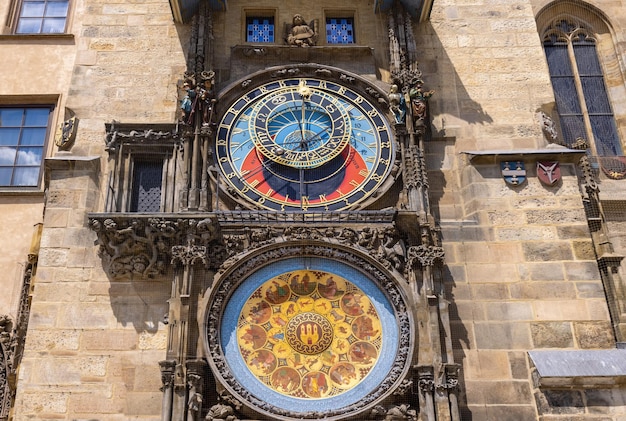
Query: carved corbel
144, 247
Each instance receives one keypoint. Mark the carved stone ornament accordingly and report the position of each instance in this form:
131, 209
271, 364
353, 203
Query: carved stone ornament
6, 353
117, 133
415, 174
301, 34
66, 134
425, 255
143, 247
375, 394
383, 243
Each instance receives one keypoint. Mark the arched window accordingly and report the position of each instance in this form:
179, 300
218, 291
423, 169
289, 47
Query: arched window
582, 100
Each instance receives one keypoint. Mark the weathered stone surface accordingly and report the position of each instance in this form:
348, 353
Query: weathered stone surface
583, 250
559, 402
542, 271
594, 335
544, 252
552, 335
498, 392
542, 290
582, 271
502, 413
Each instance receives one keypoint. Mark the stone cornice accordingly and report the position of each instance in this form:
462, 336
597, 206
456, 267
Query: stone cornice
494, 156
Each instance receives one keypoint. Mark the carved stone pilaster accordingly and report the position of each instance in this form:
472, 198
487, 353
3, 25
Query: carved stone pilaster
415, 168
6, 357
426, 379
451, 378
168, 369
195, 380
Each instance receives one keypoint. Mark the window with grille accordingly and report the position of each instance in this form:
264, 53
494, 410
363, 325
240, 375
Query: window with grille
578, 82
146, 186
42, 17
260, 29
23, 133
340, 30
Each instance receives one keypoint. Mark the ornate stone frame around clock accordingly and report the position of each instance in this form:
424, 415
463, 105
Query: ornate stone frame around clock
227, 281
368, 88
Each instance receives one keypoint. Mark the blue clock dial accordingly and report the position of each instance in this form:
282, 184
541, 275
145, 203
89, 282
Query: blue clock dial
304, 144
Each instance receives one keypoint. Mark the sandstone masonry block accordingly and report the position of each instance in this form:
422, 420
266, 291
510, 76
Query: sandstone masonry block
494, 335
594, 335
552, 334
542, 252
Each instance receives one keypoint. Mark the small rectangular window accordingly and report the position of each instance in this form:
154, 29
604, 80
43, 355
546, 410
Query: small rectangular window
23, 133
147, 182
260, 29
340, 30
42, 17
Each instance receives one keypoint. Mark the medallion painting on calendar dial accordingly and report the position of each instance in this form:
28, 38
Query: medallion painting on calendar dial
304, 144
309, 337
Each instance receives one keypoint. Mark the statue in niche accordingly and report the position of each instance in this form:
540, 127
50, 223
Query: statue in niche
397, 104
301, 34
186, 105
419, 100
199, 98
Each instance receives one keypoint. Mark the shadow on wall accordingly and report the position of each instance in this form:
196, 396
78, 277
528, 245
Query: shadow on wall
460, 340
141, 303
451, 98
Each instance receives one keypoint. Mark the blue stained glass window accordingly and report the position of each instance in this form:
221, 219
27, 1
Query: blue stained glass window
260, 29
22, 139
42, 17
578, 84
340, 30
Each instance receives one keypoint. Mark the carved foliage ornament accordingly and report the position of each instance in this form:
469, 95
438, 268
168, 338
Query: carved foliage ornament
230, 375
144, 247
383, 243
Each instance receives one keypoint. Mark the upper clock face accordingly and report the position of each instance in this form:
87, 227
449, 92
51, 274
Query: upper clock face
304, 144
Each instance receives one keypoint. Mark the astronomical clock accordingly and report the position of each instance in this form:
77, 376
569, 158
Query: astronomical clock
304, 143
310, 316
289, 207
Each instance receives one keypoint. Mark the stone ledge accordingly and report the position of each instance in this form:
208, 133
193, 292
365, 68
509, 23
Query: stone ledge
494, 156
579, 368
63, 162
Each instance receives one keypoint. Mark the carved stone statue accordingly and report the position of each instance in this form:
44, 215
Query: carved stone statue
301, 34
397, 104
419, 100
221, 412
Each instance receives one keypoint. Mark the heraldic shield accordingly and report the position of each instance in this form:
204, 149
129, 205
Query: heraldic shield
514, 172
548, 172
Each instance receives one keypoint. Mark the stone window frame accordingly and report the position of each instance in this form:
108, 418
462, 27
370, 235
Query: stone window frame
128, 144
260, 13
597, 28
341, 14
45, 144
15, 16
121, 186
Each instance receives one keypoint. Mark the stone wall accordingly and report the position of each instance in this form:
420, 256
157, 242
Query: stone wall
93, 345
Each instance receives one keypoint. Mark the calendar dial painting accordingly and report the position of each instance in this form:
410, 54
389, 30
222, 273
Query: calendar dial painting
309, 334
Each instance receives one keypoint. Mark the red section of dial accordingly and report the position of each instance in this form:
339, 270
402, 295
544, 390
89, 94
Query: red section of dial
355, 173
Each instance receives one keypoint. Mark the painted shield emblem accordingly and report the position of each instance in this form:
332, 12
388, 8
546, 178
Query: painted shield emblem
548, 172
514, 172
